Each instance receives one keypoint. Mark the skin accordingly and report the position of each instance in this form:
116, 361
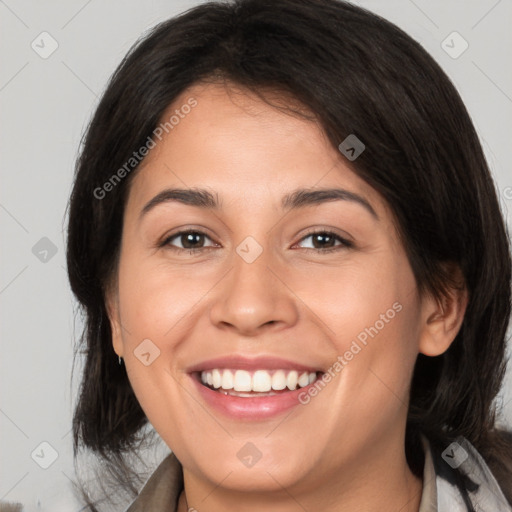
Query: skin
344, 450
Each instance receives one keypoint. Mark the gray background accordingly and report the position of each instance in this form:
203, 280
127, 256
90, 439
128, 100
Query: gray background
45, 106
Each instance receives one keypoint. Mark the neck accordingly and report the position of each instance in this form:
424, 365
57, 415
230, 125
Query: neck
383, 484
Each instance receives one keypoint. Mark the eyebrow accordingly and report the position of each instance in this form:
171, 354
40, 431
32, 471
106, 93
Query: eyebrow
299, 198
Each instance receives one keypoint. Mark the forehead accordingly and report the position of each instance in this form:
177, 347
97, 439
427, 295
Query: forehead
242, 148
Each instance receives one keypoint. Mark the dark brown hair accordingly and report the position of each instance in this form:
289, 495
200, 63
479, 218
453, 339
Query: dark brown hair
359, 74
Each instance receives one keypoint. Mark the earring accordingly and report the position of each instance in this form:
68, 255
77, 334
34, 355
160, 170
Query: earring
120, 359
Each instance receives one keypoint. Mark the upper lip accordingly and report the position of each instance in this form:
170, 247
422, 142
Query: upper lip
241, 362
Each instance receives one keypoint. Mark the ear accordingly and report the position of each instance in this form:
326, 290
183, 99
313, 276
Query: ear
442, 318
112, 306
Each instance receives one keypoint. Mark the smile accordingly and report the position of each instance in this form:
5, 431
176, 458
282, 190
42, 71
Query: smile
248, 388
259, 382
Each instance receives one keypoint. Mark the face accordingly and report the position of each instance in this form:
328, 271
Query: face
268, 287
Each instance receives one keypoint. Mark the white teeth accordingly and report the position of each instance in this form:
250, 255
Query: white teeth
291, 380
303, 380
227, 380
261, 381
242, 381
216, 379
279, 380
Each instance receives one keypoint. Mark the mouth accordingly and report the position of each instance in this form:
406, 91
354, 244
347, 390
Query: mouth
252, 388
251, 396
255, 383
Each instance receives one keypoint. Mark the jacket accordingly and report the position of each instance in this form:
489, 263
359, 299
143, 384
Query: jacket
458, 480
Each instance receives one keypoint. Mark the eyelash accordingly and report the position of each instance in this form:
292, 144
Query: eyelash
345, 244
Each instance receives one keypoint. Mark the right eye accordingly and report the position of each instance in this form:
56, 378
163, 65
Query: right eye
190, 240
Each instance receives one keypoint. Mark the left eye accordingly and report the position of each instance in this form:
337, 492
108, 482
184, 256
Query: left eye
324, 241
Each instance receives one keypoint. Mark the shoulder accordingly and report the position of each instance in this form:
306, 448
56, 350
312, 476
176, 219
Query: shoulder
162, 488
10, 507
463, 480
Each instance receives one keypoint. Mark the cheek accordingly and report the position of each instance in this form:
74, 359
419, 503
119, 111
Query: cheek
371, 313
362, 298
152, 309
155, 300
378, 361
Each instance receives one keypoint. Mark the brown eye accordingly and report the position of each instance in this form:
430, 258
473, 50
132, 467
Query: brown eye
325, 241
188, 240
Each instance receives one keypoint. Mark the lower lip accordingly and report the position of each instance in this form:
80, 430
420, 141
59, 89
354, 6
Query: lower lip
257, 408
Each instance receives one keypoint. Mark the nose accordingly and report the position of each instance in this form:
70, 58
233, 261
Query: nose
254, 297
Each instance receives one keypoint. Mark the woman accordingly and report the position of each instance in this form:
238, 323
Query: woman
306, 288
